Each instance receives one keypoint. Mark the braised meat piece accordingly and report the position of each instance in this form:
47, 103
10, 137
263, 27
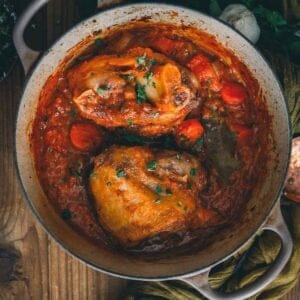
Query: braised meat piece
140, 90
140, 192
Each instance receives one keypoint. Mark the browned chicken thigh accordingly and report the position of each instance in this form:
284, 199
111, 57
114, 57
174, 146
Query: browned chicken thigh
140, 192
140, 90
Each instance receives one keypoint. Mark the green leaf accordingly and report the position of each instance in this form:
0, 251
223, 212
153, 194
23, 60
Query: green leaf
151, 165
214, 8
273, 18
158, 189
140, 93
120, 173
248, 3
141, 60
193, 172
129, 122
66, 214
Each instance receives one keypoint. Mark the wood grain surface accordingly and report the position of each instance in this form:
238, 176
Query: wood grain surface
33, 265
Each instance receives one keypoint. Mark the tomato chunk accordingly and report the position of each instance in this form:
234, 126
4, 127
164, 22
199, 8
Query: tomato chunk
86, 136
233, 93
190, 129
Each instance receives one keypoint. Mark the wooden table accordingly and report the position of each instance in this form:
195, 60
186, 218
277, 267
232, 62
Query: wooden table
44, 270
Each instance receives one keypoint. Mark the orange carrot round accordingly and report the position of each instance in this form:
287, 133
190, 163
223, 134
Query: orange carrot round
233, 93
86, 136
190, 129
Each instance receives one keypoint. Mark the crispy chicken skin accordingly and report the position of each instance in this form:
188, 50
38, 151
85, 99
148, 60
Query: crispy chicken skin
140, 90
140, 192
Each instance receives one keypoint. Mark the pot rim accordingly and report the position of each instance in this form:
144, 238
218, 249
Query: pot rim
57, 240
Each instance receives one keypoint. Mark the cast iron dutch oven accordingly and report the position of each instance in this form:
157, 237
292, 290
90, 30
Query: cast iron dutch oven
193, 269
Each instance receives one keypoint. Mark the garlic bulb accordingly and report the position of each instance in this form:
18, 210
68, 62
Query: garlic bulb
243, 20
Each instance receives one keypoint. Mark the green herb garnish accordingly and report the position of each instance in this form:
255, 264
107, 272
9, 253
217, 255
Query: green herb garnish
179, 203
74, 172
152, 61
141, 93
129, 76
66, 214
99, 43
129, 122
185, 209
151, 165
158, 200
93, 175
148, 76
72, 113
178, 156
141, 60
168, 192
120, 173
158, 189
101, 89
193, 172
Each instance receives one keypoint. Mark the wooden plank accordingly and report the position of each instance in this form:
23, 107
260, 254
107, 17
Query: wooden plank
44, 270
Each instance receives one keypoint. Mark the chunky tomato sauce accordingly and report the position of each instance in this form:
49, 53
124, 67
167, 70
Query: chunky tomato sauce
166, 88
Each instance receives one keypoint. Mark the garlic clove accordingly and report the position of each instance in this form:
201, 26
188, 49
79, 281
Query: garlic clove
243, 20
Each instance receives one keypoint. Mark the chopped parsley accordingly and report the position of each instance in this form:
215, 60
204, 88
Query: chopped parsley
154, 84
193, 172
199, 142
129, 76
179, 203
66, 214
158, 200
168, 191
99, 43
141, 60
151, 165
72, 113
148, 76
158, 189
93, 175
152, 61
101, 89
129, 122
141, 93
155, 115
74, 172
178, 156
120, 173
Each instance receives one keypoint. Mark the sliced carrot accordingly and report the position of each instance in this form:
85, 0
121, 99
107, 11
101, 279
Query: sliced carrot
233, 93
86, 136
191, 129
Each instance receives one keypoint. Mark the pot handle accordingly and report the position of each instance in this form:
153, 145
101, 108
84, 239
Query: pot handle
274, 223
27, 55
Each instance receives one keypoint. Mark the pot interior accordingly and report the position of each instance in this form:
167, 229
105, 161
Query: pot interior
226, 242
